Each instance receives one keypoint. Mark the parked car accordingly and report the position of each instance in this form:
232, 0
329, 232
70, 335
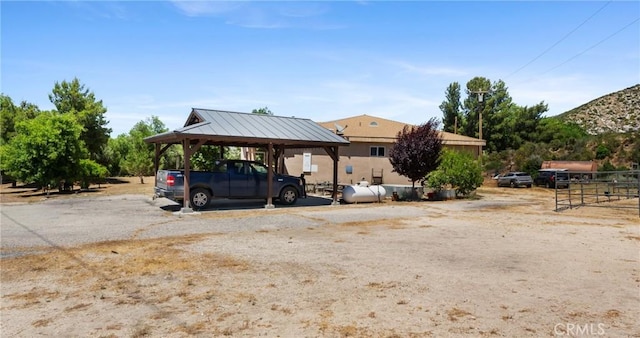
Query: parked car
552, 178
515, 179
228, 179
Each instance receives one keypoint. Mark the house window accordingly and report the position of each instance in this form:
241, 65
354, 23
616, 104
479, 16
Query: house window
373, 124
377, 151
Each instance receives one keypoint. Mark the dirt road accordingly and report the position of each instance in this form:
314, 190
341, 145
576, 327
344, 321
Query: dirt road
505, 264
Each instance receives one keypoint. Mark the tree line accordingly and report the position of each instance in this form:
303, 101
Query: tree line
505, 124
520, 137
71, 143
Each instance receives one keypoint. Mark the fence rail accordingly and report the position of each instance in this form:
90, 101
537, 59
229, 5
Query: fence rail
599, 189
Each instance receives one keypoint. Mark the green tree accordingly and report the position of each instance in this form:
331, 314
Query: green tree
91, 172
602, 151
555, 131
457, 170
262, 111
451, 108
10, 115
416, 151
72, 97
117, 150
528, 119
46, 149
139, 159
498, 120
505, 125
205, 157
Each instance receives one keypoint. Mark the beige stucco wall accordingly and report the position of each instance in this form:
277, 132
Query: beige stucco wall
356, 155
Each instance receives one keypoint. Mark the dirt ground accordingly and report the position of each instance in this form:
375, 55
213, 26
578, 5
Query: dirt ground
501, 264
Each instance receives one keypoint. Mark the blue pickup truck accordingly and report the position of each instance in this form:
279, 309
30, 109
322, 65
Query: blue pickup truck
228, 179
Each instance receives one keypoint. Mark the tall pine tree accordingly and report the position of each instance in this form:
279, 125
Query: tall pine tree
72, 97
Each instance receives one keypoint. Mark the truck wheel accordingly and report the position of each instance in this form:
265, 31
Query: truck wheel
200, 198
512, 184
288, 195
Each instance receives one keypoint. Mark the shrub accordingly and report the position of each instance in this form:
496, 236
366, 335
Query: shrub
607, 166
91, 172
602, 151
457, 170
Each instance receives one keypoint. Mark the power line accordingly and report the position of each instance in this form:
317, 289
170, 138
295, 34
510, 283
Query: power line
584, 51
592, 46
558, 42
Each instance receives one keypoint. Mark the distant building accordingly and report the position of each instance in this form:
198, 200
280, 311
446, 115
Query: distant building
367, 157
581, 166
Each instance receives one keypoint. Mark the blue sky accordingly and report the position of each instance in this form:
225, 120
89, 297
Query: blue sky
319, 60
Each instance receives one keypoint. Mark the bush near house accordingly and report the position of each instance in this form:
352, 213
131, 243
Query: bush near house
457, 170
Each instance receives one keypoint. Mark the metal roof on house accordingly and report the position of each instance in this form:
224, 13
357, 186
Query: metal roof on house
247, 129
367, 128
583, 166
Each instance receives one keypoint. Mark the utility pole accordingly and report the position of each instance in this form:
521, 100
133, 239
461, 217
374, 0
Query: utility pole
480, 94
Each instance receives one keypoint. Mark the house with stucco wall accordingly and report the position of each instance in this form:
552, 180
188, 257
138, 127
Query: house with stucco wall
367, 157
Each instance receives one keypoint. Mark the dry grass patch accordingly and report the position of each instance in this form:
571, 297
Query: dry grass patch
193, 329
141, 331
123, 271
382, 286
392, 223
34, 295
77, 307
611, 314
119, 259
285, 310
456, 313
42, 322
347, 331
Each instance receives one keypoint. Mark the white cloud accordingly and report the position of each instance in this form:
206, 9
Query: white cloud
428, 70
262, 15
205, 8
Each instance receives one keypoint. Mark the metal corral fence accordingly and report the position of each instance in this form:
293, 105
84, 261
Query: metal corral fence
599, 189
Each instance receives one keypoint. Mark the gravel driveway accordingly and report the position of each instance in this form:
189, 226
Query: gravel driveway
503, 265
75, 221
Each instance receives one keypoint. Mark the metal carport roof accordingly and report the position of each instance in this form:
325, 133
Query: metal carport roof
225, 128
246, 129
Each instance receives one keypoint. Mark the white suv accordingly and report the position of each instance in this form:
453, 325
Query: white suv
515, 179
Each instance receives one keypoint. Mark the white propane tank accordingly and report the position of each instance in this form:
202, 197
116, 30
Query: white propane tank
359, 193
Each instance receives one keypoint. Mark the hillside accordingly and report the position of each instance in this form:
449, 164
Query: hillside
618, 112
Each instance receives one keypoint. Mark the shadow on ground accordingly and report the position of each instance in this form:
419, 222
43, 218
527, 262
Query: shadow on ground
252, 204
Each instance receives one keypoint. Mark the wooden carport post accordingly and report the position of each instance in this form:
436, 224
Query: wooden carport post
333, 153
186, 149
269, 204
156, 165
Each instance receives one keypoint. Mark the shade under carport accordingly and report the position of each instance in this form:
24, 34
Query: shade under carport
225, 128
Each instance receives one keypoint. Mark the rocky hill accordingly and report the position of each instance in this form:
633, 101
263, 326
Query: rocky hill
618, 112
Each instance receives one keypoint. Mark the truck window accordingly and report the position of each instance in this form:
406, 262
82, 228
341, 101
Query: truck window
239, 168
258, 169
220, 167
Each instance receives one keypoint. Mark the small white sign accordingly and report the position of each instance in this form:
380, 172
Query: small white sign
306, 162
314, 168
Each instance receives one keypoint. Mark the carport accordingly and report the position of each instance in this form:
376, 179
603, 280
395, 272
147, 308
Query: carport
225, 128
